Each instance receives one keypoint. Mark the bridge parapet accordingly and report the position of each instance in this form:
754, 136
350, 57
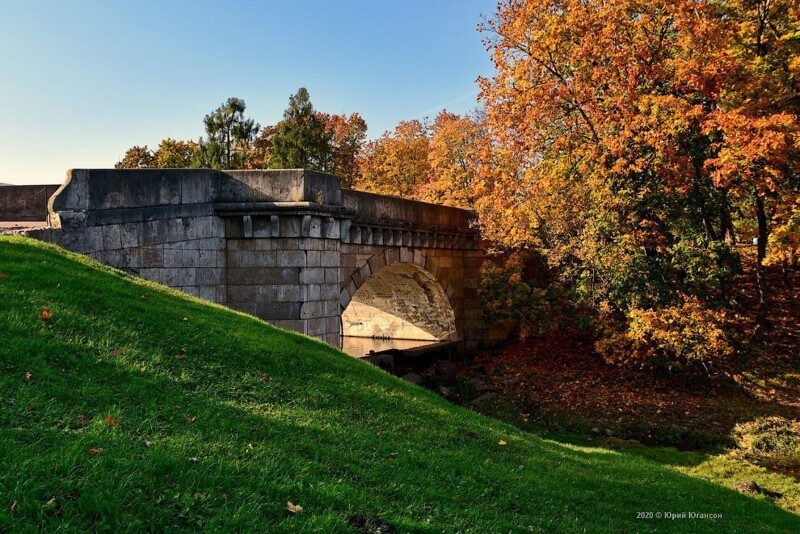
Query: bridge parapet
289, 246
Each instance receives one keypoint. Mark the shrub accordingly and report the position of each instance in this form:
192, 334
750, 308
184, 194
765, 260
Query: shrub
517, 286
689, 335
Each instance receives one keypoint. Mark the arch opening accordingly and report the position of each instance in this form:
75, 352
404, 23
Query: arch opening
400, 306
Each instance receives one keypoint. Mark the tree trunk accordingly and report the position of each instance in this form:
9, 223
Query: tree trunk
763, 234
728, 233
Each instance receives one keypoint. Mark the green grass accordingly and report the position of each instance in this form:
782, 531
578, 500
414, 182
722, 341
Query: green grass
250, 417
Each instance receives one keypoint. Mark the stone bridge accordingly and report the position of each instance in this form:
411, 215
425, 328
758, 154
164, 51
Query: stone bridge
289, 246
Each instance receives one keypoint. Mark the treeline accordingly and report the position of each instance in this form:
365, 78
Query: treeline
624, 152
435, 162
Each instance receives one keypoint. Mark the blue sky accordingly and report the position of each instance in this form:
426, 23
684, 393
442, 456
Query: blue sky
81, 81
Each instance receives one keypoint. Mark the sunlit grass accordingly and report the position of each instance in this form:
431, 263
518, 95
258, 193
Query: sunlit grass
138, 408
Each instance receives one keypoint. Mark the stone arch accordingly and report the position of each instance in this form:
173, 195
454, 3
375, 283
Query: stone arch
399, 299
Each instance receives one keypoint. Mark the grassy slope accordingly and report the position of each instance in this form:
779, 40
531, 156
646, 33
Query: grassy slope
253, 417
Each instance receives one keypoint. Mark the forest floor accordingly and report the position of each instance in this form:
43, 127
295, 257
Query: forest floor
718, 425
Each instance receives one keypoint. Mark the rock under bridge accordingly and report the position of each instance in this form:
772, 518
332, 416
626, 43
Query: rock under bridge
289, 246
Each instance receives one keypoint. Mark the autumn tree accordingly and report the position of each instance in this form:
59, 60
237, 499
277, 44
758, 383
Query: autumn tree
453, 160
174, 154
137, 157
261, 148
347, 136
755, 129
301, 139
599, 150
397, 162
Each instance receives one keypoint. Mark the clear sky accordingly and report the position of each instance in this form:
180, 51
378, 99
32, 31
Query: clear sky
81, 81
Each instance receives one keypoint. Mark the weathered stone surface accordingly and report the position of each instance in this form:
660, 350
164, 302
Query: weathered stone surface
291, 247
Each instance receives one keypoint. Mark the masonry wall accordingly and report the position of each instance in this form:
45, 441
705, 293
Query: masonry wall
285, 270
288, 246
25, 202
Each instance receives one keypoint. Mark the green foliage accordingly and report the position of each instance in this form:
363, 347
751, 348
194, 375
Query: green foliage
704, 267
301, 139
510, 291
229, 135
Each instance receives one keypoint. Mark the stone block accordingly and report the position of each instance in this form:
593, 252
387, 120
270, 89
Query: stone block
241, 244
246, 307
312, 275
311, 309
278, 310
176, 231
186, 276
330, 308
291, 293
173, 258
376, 263
170, 277
206, 258
130, 258
330, 291
154, 232
209, 276
331, 275
263, 275
290, 226
314, 291
264, 244
330, 258
313, 258
392, 256
333, 325
191, 258
331, 229
112, 257
154, 275
291, 258
206, 292
130, 235
111, 237
152, 256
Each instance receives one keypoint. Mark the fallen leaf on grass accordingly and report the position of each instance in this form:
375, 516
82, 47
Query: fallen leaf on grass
501, 442
28, 375
51, 501
190, 419
3, 275
294, 508
93, 451
45, 315
110, 420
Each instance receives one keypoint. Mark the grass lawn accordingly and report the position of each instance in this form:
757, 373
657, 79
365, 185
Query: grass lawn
127, 406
